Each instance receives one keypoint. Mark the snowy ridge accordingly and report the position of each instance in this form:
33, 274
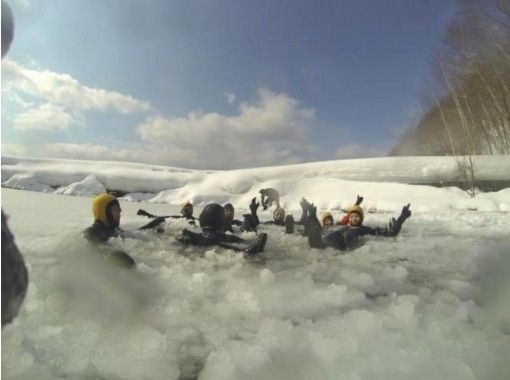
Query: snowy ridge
385, 182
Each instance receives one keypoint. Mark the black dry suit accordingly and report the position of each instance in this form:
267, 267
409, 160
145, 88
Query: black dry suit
347, 237
212, 221
105, 227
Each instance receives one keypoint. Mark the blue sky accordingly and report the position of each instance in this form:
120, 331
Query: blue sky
216, 84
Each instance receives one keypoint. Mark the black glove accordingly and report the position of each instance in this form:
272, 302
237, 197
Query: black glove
358, 200
249, 223
312, 210
406, 213
304, 204
394, 227
254, 206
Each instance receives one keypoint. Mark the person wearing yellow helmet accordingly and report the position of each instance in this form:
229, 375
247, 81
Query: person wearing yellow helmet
353, 209
106, 210
327, 219
347, 237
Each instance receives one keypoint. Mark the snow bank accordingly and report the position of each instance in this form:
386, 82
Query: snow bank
384, 182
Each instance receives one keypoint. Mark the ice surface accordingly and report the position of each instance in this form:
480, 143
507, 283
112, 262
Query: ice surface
429, 304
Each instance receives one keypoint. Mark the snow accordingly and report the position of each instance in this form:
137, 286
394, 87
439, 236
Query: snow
331, 185
429, 304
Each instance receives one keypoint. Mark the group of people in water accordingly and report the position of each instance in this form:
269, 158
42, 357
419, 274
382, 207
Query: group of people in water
218, 225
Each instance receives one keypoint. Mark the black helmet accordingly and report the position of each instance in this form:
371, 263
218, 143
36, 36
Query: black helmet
212, 217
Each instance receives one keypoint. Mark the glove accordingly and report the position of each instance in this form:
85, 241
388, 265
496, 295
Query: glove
249, 223
394, 227
358, 200
312, 210
406, 213
304, 204
254, 206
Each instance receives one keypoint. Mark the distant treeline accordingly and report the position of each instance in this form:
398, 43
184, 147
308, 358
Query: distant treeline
468, 104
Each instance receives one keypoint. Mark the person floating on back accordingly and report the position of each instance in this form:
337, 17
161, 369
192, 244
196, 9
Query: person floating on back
212, 223
106, 210
326, 218
154, 224
347, 236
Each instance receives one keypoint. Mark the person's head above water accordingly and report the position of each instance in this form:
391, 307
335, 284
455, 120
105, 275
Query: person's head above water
279, 215
187, 209
106, 209
327, 219
229, 211
212, 218
355, 216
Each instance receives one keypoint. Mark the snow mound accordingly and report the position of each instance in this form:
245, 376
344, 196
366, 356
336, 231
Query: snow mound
27, 181
386, 183
90, 186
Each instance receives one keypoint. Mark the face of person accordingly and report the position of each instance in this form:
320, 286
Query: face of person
279, 216
354, 219
188, 210
115, 212
328, 221
229, 213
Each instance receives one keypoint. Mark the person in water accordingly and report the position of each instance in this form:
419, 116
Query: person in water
212, 224
106, 210
326, 219
250, 220
347, 237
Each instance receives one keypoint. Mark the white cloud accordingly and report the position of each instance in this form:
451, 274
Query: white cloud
63, 89
231, 98
93, 152
272, 130
357, 151
9, 149
47, 117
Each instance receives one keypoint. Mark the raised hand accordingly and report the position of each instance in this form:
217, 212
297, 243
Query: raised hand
304, 204
358, 200
406, 213
312, 210
254, 205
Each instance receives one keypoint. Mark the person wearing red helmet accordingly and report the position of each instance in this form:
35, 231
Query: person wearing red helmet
347, 237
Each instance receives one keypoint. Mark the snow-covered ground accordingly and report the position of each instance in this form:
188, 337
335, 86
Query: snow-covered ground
433, 303
331, 184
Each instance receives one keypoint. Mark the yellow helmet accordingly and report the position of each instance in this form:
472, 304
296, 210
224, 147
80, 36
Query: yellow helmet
358, 210
99, 205
325, 215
